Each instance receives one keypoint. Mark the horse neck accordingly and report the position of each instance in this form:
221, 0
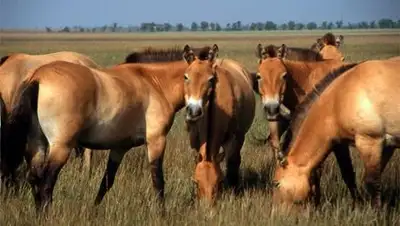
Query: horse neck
171, 83
299, 72
313, 138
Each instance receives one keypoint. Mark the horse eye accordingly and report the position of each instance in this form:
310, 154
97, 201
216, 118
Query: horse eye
284, 76
211, 79
186, 77
258, 76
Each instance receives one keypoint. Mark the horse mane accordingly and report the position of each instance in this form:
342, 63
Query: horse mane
329, 39
3, 59
301, 111
153, 55
150, 55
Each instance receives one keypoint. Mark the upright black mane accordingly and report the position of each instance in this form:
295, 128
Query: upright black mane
302, 109
152, 55
3, 59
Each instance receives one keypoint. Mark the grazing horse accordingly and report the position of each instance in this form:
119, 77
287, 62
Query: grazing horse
358, 104
274, 71
14, 68
283, 84
220, 106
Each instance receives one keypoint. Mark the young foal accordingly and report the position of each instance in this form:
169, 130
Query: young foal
360, 105
14, 68
220, 107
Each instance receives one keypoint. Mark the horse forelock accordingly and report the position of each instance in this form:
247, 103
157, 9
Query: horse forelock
301, 111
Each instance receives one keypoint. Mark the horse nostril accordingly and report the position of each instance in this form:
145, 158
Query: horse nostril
271, 109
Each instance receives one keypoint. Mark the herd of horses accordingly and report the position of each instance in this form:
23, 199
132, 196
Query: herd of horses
315, 103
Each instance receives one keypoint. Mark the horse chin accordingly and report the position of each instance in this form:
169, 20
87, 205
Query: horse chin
190, 119
272, 118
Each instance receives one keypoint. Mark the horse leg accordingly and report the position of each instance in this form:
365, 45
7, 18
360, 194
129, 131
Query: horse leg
114, 160
87, 159
375, 158
343, 159
233, 160
155, 149
58, 156
316, 184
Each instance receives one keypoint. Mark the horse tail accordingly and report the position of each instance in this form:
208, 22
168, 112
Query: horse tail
18, 125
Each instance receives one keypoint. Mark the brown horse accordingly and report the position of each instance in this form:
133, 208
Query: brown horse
283, 84
220, 107
327, 39
293, 53
14, 69
132, 104
359, 105
274, 70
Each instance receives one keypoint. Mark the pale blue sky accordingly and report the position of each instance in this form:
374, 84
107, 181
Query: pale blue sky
59, 13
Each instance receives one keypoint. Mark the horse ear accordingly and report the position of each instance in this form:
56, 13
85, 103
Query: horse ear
188, 54
259, 49
213, 53
282, 51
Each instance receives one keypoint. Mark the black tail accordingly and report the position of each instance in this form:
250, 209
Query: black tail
18, 125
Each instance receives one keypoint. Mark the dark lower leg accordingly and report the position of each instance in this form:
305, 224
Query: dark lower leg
342, 154
157, 177
108, 179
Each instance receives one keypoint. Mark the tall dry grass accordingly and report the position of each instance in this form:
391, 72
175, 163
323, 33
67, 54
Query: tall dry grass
131, 201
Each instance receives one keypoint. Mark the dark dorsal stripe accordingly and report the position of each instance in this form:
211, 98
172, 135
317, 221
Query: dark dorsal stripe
152, 55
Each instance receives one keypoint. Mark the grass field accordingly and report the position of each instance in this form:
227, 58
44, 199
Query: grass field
131, 200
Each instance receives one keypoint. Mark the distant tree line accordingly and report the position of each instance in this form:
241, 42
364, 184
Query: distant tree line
235, 26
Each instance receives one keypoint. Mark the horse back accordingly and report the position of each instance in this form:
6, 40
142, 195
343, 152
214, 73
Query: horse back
235, 83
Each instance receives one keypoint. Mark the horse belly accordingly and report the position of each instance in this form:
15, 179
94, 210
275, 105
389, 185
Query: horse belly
117, 132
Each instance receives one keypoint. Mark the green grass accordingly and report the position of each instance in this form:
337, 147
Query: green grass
131, 200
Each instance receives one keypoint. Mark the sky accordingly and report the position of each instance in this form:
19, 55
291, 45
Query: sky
89, 13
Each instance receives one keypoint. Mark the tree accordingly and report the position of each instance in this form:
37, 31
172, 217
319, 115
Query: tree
167, 27
324, 25
237, 26
66, 29
385, 23
311, 26
291, 25
194, 26
204, 25
114, 27
179, 27
283, 26
253, 26
372, 24
218, 27
299, 26
330, 25
48, 29
260, 26
269, 25
212, 26
228, 27
339, 24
